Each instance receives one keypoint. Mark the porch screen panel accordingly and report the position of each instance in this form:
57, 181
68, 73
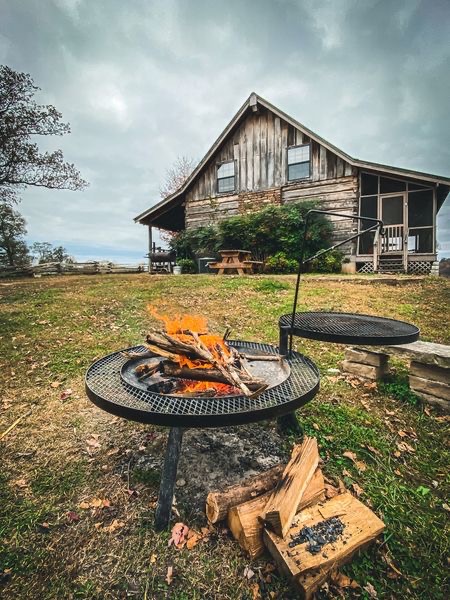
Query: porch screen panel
369, 184
368, 209
420, 240
420, 221
388, 185
420, 209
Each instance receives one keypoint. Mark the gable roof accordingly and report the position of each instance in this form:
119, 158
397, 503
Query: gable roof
253, 100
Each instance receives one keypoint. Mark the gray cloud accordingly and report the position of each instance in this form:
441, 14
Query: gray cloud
144, 81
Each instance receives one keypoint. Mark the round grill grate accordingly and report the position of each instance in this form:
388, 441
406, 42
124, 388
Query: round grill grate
350, 328
107, 390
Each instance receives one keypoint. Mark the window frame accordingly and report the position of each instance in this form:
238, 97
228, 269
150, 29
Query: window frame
298, 163
218, 165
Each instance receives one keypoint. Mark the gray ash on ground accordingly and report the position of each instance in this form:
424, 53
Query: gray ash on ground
212, 459
319, 535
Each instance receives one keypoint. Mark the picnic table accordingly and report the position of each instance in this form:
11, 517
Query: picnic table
235, 260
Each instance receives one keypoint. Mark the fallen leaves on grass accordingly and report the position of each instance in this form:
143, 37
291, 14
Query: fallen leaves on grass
183, 536
248, 573
357, 489
66, 393
72, 516
153, 559
95, 503
359, 464
404, 447
20, 483
55, 384
393, 572
179, 535
169, 575
373, 450
92, 444
370, 590
116, 524
340, 580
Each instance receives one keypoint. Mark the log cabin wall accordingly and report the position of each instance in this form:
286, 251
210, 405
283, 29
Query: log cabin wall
258, 145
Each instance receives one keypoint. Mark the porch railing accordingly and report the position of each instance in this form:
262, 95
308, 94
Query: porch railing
392, 239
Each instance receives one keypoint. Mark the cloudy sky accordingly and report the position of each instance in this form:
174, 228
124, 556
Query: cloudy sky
144, 81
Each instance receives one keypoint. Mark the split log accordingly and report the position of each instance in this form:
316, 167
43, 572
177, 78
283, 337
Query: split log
227, 370
219, 503
244, 519
282, 505
173, 370
308, 571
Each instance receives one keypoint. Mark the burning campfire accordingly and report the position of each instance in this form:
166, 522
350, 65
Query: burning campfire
188, 360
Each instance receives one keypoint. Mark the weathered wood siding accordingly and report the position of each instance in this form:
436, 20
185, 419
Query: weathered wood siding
259, 148
337, 195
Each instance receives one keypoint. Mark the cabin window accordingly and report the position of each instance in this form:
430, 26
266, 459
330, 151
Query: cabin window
298, 162
226, 177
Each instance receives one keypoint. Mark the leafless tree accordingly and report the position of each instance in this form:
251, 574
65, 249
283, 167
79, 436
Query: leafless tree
177, 175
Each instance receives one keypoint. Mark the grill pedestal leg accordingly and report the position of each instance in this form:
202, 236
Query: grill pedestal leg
169, 474
287, 424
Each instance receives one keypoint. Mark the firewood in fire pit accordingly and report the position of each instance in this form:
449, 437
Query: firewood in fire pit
208, 354
174, 370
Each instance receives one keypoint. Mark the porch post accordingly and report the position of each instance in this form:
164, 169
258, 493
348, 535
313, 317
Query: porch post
150, 249
375, 250
405, 233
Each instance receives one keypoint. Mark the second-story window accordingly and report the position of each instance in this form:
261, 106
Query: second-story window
226, 181
298, 162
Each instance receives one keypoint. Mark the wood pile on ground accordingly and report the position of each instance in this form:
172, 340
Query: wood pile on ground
286, 511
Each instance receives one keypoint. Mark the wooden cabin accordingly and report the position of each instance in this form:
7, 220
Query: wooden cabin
264, 156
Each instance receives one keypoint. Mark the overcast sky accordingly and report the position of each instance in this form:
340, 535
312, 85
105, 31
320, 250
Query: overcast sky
144, 81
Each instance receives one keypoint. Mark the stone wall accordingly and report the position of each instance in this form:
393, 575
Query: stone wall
250, 202
213, 210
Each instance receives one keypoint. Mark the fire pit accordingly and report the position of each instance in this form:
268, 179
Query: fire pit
292, 382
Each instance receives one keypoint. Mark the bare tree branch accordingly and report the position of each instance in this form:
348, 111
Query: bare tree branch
177, 175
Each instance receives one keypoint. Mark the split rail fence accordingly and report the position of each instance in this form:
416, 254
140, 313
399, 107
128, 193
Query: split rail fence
57, 268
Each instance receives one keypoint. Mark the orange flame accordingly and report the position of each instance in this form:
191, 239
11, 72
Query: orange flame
221, 389
177, 326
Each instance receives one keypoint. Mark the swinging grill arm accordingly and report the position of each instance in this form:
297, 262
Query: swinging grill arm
377, 226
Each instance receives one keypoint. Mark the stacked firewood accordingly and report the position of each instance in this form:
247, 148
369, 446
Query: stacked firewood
285, 510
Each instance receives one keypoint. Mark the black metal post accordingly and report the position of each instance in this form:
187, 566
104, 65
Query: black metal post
287, 424
283, 346
169, 474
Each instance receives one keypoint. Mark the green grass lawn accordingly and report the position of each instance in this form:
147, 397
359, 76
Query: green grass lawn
68, 452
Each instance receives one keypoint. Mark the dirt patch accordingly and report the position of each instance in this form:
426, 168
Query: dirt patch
212, 459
